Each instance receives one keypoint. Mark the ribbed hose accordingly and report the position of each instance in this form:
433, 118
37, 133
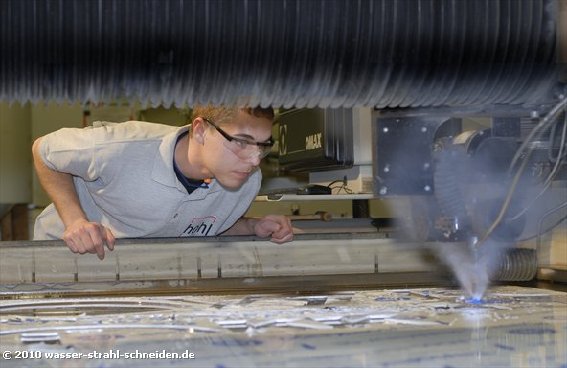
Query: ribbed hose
326, 53
516, 264
448, 182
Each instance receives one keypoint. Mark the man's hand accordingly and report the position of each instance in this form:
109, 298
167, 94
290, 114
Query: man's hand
276, 226
83, 237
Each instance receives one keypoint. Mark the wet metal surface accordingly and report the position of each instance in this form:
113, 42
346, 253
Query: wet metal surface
510, 327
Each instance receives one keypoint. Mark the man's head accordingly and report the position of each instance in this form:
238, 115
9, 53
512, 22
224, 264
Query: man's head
223, 114
230, 141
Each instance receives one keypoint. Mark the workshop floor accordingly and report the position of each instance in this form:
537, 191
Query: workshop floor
434, 327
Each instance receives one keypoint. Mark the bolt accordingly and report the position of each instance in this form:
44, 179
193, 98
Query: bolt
427, 188
385, 129
426, 166
534, 114
423, 129
387, 168
383, 190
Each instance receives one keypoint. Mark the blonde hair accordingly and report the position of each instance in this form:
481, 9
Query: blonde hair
222, 114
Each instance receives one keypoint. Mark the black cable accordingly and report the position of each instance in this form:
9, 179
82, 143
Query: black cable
334, 182
538, 242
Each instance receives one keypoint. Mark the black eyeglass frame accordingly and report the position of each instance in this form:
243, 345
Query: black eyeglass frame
230, 138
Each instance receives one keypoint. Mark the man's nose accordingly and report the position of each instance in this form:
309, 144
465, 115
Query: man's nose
254, 157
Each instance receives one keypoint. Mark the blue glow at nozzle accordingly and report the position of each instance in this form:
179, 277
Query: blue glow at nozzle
474, 300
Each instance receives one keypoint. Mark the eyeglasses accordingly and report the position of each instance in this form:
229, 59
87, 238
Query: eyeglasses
243, 148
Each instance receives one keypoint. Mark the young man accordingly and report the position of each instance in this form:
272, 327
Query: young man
138, 179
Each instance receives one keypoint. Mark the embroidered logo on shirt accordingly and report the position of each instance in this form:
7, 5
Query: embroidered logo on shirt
199, 226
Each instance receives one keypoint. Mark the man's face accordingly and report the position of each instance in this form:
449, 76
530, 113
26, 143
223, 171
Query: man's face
231, 162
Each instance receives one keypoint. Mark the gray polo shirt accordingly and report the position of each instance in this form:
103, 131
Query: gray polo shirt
125, 180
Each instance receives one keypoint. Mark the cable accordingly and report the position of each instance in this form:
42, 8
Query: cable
543, 123
334, 182
506, 203
560, 156
539, 233
342, 187
552, 174
561, 144
538, 242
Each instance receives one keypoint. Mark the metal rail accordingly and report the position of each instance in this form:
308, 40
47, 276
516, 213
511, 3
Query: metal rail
312, 262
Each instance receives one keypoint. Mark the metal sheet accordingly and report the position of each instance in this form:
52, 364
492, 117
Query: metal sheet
390, 328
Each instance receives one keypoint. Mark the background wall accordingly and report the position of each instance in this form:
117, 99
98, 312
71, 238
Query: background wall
46, 119
15, 154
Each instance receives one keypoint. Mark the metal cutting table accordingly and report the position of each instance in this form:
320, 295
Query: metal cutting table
321, 301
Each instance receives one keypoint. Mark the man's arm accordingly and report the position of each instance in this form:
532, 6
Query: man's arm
277, 227
80, 235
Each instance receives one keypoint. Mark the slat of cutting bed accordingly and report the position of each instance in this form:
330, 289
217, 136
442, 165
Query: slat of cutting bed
172, 260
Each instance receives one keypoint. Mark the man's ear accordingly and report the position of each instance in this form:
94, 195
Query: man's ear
199, 129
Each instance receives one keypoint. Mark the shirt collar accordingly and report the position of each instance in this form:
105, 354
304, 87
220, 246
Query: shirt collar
163, 172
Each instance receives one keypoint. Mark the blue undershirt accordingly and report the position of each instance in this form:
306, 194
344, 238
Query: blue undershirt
189, 184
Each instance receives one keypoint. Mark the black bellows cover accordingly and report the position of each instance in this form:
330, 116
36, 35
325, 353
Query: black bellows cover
325, 53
